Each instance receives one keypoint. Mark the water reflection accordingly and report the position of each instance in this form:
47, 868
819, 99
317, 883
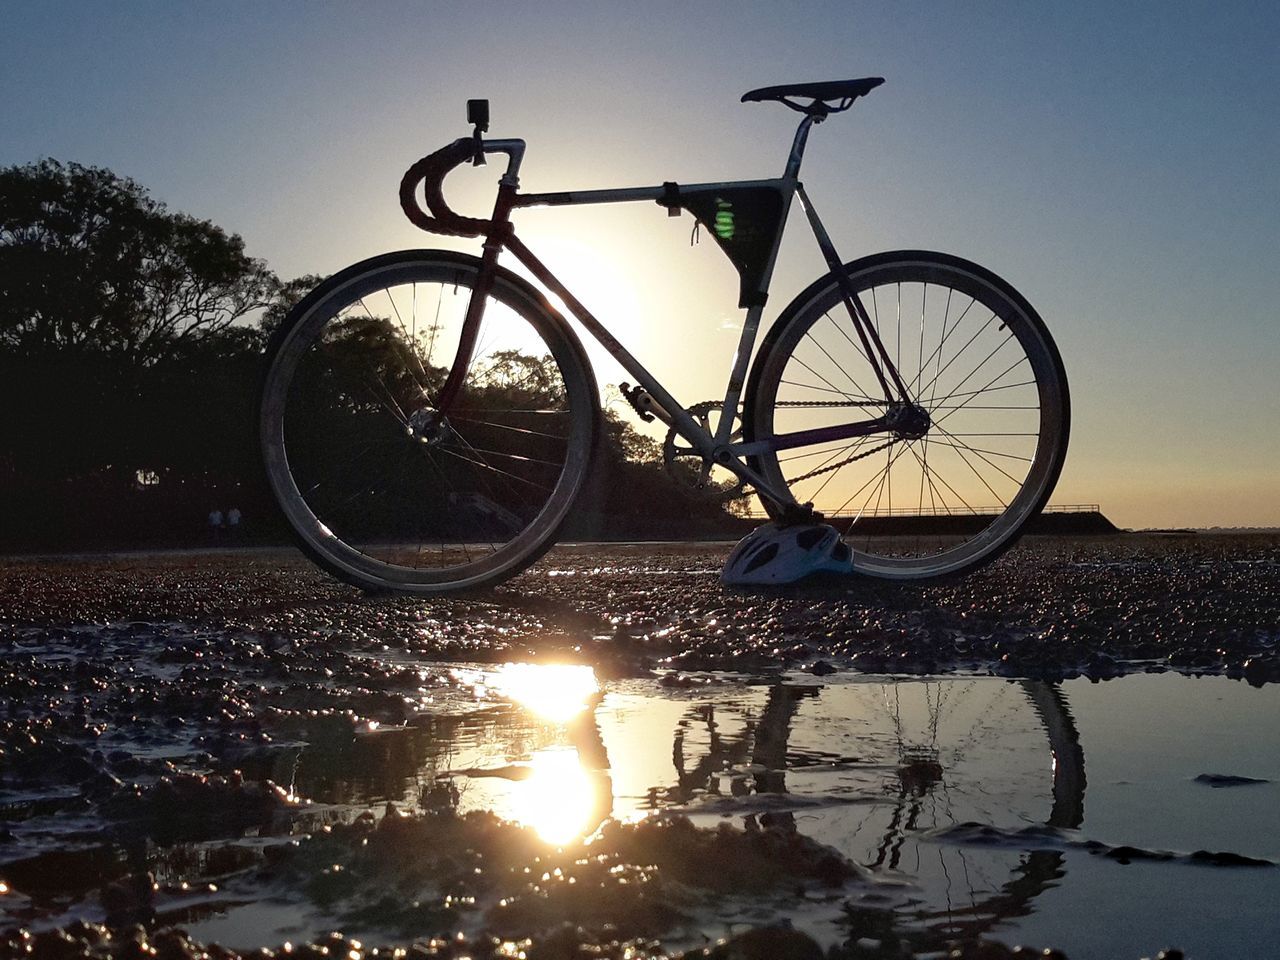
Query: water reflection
874, 769
877, 768
555, 692
561, 790
966, 793
562, 800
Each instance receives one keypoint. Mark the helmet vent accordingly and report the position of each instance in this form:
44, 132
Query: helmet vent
809, 537
761, 558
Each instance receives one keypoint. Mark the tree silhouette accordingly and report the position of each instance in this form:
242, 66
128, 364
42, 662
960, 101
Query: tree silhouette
90, 263
121, 358
131, 341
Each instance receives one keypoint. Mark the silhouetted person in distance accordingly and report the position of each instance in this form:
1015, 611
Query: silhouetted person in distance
233, 524
215, 525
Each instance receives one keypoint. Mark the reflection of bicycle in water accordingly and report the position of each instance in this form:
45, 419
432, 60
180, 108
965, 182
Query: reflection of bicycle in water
917, 757
882, 771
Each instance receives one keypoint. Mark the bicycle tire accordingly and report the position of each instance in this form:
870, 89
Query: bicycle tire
340, 372
963, 537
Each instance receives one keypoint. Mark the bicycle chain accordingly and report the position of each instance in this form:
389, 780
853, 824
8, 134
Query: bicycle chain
836, 466
829, 403
835, 403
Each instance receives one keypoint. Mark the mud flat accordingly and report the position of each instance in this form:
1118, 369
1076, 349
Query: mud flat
613, 756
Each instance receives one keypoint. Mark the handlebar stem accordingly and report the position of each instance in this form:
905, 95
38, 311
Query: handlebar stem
514, 149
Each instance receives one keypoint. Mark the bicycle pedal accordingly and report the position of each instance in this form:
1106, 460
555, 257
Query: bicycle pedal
639, 399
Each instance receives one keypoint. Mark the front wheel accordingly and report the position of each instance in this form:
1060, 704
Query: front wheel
916, 503
381, 488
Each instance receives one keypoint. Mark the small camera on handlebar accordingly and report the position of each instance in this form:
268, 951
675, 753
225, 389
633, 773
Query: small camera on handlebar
478, 114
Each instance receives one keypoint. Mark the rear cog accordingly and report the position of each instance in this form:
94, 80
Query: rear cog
696, 472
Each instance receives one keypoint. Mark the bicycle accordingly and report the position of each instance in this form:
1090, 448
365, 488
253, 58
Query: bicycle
399, 472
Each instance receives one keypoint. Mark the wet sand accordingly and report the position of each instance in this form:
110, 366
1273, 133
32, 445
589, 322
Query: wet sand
148, 702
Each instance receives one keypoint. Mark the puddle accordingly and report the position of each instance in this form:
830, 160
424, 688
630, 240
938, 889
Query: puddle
1020, 810
1107, 819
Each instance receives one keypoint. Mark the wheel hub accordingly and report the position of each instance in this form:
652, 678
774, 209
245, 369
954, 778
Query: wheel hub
428, 425
908, 420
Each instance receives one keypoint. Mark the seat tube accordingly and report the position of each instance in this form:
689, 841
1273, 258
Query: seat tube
494, 241
738, 374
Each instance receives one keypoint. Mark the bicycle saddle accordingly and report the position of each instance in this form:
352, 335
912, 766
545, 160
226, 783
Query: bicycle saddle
843, 91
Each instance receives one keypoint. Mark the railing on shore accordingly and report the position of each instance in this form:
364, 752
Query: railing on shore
929, 511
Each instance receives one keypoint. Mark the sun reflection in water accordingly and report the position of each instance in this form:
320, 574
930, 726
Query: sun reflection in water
561, 800
563, 791
555, 692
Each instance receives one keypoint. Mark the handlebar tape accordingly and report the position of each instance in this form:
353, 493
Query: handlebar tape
431, 170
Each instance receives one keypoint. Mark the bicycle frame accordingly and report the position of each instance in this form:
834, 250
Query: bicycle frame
499, 234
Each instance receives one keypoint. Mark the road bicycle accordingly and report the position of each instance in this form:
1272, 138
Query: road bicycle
428, 418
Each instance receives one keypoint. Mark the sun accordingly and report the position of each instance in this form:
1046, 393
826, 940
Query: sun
600, 284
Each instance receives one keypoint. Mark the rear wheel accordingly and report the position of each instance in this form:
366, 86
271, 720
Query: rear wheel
379, 488
916, 504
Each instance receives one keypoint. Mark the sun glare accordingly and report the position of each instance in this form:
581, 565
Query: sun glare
555, 692
560, 797
602, 286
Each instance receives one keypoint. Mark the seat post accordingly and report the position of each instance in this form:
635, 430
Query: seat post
797, 146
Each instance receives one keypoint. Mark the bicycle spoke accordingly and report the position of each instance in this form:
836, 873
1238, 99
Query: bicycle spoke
937, 351
446, 497
857, 386
853, 343
978, 393
943, 481
959, 353
493, 469
980, 456
994, 453
506, 426
866, 401
825, 380
511, 456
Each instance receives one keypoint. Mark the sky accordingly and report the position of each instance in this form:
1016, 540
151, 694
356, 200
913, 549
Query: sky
1117, 163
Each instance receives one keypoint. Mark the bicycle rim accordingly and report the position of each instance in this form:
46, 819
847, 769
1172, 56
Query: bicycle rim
381, 490
975, 356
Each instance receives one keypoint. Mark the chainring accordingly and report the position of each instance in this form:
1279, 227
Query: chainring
676, 449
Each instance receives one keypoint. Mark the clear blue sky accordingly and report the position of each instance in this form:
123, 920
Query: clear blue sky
1116, 162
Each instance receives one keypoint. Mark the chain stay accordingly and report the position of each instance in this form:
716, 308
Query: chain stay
703, 408
848, 460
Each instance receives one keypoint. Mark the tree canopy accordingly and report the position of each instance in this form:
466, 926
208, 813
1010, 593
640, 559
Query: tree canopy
90, 263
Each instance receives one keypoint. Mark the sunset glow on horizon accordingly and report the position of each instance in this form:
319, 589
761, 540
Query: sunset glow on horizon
1129, 197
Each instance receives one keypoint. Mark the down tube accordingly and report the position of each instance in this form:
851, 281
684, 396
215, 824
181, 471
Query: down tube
684, 423
688, 428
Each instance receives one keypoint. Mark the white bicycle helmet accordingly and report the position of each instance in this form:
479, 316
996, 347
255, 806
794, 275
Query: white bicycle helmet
774, 554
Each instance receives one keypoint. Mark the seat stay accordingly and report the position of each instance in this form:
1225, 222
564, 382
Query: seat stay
876, 354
